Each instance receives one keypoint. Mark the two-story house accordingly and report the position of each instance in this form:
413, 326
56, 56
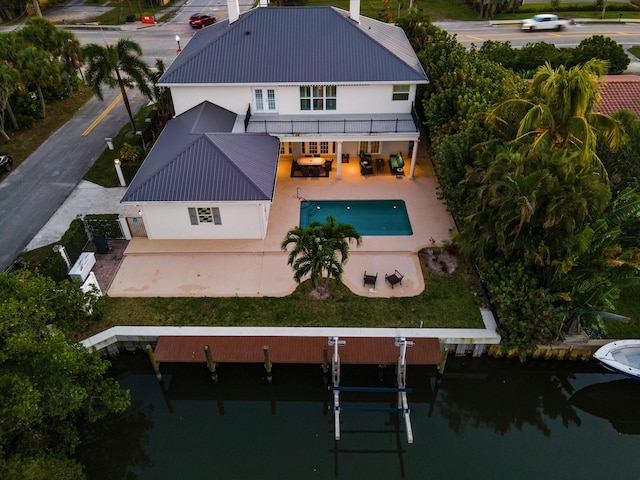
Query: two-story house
270, 85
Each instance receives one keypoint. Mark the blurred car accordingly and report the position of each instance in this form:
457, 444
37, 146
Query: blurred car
546, 21
200, 20
5, 162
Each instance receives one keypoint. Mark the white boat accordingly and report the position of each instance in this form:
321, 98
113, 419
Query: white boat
622, 356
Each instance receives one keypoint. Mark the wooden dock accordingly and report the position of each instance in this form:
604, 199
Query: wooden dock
245, 349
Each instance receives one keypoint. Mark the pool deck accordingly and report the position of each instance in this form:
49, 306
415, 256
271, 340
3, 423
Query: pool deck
165, 268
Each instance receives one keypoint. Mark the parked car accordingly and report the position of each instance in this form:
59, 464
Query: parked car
546, 21
200, 20
5, 162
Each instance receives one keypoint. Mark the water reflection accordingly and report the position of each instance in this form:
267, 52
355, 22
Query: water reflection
616, 401
244, 428
504, 398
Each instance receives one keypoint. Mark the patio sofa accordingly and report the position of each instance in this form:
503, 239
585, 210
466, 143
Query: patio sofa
396, 164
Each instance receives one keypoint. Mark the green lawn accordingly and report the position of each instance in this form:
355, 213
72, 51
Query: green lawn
448, 301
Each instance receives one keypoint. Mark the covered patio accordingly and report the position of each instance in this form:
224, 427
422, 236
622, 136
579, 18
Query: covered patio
259, 268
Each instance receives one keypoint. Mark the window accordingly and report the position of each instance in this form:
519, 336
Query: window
318, 97
285, 148
265, 99
401, 92
202, 215
370, 147
315, 148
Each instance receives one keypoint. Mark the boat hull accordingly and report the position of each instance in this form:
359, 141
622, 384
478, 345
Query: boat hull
622, 356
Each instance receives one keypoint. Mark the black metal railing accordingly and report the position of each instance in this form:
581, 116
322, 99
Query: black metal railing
247, 118
305, 127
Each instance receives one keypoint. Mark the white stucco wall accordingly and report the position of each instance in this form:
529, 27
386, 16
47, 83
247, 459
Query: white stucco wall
239, 221
362, 99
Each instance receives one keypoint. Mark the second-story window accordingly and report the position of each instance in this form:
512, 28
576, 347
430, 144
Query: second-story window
265, 99
401, 92
318, 97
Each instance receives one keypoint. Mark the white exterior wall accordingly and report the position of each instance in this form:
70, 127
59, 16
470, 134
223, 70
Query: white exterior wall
363, 99
239, 221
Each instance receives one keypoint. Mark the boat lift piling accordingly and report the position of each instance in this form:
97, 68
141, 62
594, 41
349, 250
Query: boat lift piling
401, 390
403, 343
335, 374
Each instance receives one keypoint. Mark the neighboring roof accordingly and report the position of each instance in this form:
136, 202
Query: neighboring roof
189, 164
619, 92
309, 45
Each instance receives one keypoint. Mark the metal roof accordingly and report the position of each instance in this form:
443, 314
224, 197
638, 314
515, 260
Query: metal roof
283, 45
188, 163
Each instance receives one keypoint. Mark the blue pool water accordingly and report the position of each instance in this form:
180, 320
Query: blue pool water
368, 217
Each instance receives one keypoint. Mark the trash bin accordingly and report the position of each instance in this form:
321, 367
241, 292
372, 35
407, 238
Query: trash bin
101, 244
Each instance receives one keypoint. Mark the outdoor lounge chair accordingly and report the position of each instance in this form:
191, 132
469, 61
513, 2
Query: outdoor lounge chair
394, 278
370, 279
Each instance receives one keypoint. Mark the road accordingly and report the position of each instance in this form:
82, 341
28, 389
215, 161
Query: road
477, 33
33, 192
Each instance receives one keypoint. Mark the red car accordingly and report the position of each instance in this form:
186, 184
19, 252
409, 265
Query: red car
200, 20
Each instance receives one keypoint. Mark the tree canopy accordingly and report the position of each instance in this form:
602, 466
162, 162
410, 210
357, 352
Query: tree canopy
48, 382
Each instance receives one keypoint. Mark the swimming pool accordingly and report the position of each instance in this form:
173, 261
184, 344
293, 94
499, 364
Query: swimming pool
369, 217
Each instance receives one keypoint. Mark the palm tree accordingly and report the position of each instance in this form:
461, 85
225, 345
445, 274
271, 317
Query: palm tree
9, 82
37, 69
117, 65
558, 112
320, 248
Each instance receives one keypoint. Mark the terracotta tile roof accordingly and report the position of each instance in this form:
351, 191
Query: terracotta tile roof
618, 92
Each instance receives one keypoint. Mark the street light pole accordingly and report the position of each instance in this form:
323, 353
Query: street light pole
178, 40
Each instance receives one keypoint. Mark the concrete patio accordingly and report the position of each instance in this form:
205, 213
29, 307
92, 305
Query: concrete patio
161, 268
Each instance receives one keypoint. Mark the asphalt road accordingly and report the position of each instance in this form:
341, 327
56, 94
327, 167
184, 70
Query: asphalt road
32, 193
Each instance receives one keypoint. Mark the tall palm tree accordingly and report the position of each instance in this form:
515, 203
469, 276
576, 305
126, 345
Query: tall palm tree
320, 248
117, 65
558, 112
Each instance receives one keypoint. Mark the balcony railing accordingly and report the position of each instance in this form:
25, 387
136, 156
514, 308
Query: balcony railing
298, 126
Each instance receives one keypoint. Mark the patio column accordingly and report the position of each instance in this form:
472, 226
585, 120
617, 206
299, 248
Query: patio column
413, 158
339, 162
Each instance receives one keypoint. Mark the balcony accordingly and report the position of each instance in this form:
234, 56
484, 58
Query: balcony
332, 124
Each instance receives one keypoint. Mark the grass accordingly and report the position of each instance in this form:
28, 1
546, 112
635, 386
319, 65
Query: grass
635, 50
103, 172
24, 142
629, 306
447, 302
118, 14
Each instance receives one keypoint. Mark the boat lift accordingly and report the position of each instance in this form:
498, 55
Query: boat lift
401, 390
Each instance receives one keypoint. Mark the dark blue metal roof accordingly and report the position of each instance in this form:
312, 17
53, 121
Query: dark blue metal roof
316, 45
188, 163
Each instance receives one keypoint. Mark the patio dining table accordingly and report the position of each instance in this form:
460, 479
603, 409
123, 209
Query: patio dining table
310, 161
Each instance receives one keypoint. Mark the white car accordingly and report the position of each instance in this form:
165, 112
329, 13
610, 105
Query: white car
546, 21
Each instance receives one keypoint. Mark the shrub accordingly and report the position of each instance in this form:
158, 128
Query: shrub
129, 153
603, 48
103, 225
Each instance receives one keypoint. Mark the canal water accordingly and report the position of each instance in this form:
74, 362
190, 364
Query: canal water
488, 418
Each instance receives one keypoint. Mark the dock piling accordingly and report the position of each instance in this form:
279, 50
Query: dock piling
325, 364
267, 363
154, 363
211, 365
441, 365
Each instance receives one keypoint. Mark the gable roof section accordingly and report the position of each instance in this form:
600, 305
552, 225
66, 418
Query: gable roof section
188, 164
315, 45
619, 92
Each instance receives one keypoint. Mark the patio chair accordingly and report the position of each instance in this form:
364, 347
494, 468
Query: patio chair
370, 279
395, 278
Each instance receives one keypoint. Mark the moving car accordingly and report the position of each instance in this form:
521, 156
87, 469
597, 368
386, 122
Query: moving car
546, 21
5, 162
200, 20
